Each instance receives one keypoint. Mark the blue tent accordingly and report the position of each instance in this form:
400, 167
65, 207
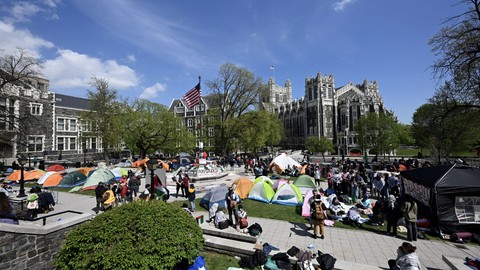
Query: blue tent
215, 195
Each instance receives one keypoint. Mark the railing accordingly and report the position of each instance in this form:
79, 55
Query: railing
44, 218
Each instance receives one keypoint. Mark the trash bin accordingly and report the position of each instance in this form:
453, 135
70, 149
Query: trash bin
78, 164
41, 165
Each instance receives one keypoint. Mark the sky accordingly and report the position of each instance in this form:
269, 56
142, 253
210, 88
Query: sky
157, 49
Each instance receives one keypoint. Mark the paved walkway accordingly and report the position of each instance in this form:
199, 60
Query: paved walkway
358, 246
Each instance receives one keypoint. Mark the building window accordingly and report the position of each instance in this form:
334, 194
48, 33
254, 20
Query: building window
85, 126
73, 125
73, 144
61, 124
467, 209
36, 109
35, 144
211, 132
190, 122
64, 124
94, 143
60, 143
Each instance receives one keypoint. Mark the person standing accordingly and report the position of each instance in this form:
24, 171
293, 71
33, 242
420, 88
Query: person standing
179, 185
317, 176
409, 210
134, 185
318, 216
232, 199
191, 197
186, 184
310, 201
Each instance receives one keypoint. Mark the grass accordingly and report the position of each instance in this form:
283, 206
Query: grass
218, 261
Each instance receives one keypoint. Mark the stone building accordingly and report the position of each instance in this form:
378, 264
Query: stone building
325, 110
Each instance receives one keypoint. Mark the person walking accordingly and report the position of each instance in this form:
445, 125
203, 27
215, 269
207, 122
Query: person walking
318, 216
409, 210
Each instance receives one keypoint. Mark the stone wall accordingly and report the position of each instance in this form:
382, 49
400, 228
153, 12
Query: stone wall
25, 247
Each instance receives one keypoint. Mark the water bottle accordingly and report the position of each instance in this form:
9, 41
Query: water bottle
311, 246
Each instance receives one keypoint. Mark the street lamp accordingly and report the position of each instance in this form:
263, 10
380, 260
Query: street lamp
22, 161
84, 157
152, 165
29, 166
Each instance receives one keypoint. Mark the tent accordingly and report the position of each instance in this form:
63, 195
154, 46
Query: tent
261, 179
33, 175
305, 183
15, 175
262, 191
118, 171
279, 183
53, 180
288, 194
73, 179
85, 170
449, 194
242, 186
96, 177
44, 177
306, 206
55, 168
215, 195
281, 162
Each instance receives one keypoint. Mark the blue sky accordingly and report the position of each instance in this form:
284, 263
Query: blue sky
157, 49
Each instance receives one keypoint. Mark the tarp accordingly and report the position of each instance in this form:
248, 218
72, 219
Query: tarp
44, 177
55, 168
33, 175
85, 170
73, 179
281, 162
242, 186
279, 183
98, 176
53, 180
215, 195
305, 183
450, 193
262, 191
288, 194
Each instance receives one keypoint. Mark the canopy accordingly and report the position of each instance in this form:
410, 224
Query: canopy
450, 193
73, 179
55, 168
53, 180
33, 175
282, 162
98, 176
242, 186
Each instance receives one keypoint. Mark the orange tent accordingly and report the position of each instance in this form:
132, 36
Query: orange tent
53, 180
85, 170
242, 186
33, 175
15, 175
55, 168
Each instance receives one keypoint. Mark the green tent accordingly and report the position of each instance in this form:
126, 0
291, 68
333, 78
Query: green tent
262, 191
96, 177
73, 179
305, 183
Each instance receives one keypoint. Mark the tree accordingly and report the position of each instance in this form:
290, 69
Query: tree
377, 132
149, 127
444, 135
319, 145
139, 235
257, 129
405, 134
18, 71
234, 92
457, 46
103, 114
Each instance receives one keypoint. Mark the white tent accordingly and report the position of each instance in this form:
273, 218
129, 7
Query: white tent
281, 162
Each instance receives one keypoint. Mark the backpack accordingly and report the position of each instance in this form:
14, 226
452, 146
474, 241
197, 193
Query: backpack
255, 229
223, 224
326, 261
318, 212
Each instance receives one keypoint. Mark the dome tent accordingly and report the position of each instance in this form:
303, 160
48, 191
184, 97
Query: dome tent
305, 183
262, 191
242, 186
215, 195
288, 194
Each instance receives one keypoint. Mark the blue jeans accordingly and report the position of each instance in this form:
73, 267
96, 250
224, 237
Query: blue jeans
192, 205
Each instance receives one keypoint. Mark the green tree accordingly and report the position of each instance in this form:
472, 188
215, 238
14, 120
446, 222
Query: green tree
257, 129
234, 92
456, 46
405, 134
319, 145
139, 235
149, 126
103, 114
444, 135
377, 132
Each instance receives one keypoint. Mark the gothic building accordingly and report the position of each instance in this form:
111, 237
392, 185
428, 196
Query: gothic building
324, 111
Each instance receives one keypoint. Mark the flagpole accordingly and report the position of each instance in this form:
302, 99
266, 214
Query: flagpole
201, 124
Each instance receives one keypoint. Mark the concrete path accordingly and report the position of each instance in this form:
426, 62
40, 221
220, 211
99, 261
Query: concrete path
359, 246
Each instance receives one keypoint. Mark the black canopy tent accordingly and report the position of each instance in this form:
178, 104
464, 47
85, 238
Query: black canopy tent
451, 193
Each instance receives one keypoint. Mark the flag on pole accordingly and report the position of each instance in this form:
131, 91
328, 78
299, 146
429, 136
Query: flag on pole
192, 97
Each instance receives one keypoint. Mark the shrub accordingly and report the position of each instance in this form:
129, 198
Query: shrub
140, 235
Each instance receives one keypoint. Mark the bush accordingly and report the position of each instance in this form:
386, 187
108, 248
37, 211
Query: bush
140, 235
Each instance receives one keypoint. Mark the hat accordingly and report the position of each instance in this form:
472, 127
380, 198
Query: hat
258, 245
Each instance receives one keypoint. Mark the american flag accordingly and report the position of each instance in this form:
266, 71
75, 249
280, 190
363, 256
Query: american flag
192, 97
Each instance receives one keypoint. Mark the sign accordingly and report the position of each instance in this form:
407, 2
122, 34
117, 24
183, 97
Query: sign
417, 191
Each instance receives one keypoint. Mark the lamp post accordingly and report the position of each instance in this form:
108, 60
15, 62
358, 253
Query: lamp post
29, 166
22, 161
84, 157
152, 165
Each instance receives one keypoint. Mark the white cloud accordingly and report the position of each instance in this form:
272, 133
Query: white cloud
152, 91
340, 5
52, 3
131, 58
13, 38
23, 11
71, 69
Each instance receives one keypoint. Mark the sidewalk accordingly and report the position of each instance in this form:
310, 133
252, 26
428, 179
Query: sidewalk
359, 246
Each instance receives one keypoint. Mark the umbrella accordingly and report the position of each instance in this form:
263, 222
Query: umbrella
34, 175
55, 168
